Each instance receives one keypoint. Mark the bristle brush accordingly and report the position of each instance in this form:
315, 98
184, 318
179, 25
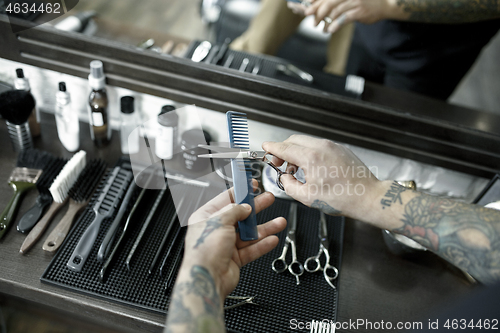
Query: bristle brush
59, 190
242, 175
30, 164
79, 196
31, 217
15, 107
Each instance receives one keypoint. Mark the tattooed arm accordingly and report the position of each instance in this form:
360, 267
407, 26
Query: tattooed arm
427, 11
466, 235
213, 256
337, 182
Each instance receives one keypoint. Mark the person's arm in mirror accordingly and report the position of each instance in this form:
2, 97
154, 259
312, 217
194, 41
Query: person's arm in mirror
426, 11
213, 256
338, 183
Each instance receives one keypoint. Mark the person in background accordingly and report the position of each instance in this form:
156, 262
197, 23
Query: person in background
275, 23
466, 235
424, 46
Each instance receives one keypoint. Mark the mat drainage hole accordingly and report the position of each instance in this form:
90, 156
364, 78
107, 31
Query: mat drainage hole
77, 260
51, 244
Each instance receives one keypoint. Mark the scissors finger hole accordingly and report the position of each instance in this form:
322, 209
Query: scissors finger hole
312, 265
279, 266
296, 268
331, 272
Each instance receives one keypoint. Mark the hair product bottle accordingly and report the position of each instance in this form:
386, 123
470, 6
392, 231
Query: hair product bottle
166, 140
100, 130
68, 127
129, 136
22, 83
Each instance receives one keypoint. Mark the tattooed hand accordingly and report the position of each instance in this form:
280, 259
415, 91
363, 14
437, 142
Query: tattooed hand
215, 244
213, 256
337, 182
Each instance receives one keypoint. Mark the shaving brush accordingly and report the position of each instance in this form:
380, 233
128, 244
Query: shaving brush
16, 107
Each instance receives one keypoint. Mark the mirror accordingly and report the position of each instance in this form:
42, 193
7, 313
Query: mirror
258, 27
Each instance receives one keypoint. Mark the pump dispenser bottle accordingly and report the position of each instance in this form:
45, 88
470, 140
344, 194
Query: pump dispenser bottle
100, 130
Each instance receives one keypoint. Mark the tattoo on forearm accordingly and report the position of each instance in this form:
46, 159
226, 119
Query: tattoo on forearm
212, 224
466, 235
393, 195
325, 208
199, 289
450, 11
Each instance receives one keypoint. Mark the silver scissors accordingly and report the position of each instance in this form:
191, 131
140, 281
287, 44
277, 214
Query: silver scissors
260, 156
313, 264
295, 267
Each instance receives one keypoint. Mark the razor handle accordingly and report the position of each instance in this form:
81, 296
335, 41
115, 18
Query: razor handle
9, 212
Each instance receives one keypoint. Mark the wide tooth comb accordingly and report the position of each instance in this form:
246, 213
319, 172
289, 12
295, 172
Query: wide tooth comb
242, 177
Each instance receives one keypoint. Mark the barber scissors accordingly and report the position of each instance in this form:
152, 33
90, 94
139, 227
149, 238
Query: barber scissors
295, 267
258, 156
313, 264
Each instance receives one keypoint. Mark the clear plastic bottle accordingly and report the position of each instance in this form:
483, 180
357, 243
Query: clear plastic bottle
167, 138
129, 136
100, 130
22, 83
68, 127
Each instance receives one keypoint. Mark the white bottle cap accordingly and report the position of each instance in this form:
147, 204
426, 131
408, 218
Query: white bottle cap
97, 80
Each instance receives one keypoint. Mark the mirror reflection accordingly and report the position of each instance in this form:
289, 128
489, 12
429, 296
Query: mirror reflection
420, 46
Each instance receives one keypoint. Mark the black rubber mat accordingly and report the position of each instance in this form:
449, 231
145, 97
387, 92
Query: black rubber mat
280, 299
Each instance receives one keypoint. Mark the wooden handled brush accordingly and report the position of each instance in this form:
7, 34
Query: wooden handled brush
79, 196
59, 190
30, 164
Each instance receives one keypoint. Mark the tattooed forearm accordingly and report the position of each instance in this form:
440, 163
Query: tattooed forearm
325, 208
466, 235
212, 224
195, 305
450, 11
393, 195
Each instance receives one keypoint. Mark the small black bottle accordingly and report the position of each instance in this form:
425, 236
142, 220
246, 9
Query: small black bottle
100, 130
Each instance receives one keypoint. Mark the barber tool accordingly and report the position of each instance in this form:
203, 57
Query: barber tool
16, 107
201, 51
24, 177
111, 233
188, 209
79, 197
169, 250
145, 226
243, 300
256, 68
244, 65
295, 268
293, 71
33, 215
222, 51
212, 54
313, 264
250, 155
229, 60
119, 244
59, 191
242, 175
175, 267
171, 224
103, 208
77, 22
